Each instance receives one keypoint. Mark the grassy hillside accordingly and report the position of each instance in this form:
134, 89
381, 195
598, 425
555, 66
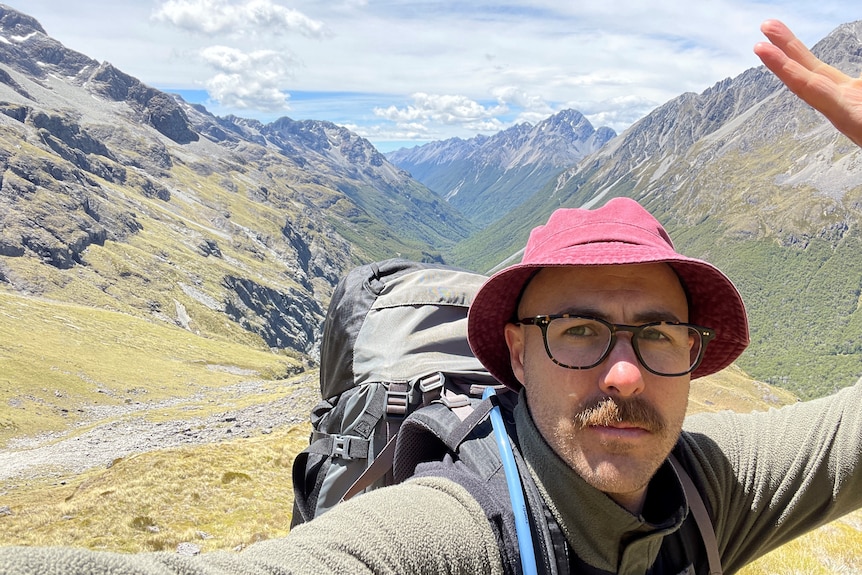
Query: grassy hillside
68, 370
60, 363
803, 303
218, 496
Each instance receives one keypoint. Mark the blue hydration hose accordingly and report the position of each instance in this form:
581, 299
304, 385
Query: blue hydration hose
516, 492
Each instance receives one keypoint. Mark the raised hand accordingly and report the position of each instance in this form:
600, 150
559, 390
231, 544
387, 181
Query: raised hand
832, 92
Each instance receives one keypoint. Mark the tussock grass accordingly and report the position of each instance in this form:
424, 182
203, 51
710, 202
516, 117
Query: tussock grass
219, 496
59, 361
834, 549
733, 389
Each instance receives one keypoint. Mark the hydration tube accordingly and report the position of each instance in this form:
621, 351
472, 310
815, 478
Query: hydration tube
516, 492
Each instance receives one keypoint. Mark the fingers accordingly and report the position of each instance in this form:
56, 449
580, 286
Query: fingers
781, 36
828, 90
786, 42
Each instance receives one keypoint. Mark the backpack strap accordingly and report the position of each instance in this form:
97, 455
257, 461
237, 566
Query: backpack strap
552, 548
433, 390
381, 465
474, 462
701, 516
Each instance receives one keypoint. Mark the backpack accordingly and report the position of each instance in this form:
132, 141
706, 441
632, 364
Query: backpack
394, 340
396, 364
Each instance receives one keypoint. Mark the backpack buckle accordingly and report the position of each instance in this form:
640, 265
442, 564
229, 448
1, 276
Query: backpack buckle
455, 400
431, 382
397, 401
341, 446
348, 447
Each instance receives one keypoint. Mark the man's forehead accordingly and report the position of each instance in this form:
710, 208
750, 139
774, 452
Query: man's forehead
578, 286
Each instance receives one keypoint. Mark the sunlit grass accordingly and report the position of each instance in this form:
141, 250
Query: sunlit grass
218, 496
57, 360
834, 549
733, 389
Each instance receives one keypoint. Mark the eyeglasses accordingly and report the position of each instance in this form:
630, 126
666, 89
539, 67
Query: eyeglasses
662, 347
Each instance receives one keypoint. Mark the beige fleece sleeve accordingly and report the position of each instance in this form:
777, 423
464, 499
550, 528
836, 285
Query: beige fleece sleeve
428, 525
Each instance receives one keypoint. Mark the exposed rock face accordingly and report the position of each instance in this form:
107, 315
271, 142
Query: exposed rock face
284, 320
156, 108
487, 176
133, 197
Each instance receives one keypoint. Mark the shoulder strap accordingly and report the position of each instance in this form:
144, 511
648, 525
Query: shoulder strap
701, 516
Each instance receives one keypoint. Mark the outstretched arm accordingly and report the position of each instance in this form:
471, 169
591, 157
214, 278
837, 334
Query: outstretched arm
831, 92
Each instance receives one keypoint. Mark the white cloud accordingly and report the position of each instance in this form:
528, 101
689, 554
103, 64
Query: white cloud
247, 78
445, 109
215, 17
476, 65
518, 97
250, 80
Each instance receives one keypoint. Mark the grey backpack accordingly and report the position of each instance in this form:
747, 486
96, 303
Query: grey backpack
394, 340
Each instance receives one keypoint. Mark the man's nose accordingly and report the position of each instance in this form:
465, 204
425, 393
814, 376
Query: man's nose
622, 373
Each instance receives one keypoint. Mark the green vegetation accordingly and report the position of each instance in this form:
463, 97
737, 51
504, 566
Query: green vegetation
57, 360
803, 304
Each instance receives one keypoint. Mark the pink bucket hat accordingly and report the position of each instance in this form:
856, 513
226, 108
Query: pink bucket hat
621, 232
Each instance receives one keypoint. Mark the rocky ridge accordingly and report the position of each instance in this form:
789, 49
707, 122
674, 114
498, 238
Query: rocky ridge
147, 204
487, 176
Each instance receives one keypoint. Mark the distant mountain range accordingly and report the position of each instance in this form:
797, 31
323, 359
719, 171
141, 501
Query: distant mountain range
116, 196
750, 178
487, 176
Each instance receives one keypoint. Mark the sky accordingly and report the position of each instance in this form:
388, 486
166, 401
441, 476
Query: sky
403, 73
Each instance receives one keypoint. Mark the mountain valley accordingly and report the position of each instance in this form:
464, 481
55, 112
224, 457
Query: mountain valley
164, 272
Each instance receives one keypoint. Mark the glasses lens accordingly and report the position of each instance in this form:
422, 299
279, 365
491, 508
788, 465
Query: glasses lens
669, 349
663, 348
577, 342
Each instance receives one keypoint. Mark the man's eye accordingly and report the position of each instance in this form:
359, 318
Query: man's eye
581, 330
653, 334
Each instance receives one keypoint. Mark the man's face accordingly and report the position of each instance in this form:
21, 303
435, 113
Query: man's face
578, 411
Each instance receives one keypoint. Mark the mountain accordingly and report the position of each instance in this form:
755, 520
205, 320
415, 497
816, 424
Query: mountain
119, 196
750, 178
487, 176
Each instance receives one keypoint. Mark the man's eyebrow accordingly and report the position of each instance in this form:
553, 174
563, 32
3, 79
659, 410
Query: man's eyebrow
656, 315
645, 316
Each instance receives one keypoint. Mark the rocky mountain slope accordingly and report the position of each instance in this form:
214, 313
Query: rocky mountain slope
115, 196
118, 196
752, 179
487, 176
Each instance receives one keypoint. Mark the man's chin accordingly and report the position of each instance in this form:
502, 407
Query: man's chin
618, 473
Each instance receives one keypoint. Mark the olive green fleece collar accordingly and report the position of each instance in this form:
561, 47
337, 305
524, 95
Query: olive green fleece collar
601, 532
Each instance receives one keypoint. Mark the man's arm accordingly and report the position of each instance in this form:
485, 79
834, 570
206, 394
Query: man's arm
430, 525
772, 476
829, 91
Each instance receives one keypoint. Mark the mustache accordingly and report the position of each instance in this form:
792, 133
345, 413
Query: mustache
607, 411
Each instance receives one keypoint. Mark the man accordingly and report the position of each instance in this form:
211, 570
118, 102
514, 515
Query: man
601, 326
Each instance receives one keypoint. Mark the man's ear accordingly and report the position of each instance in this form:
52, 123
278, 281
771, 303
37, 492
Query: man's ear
515, 342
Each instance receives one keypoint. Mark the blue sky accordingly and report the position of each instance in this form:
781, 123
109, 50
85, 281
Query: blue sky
402, 73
